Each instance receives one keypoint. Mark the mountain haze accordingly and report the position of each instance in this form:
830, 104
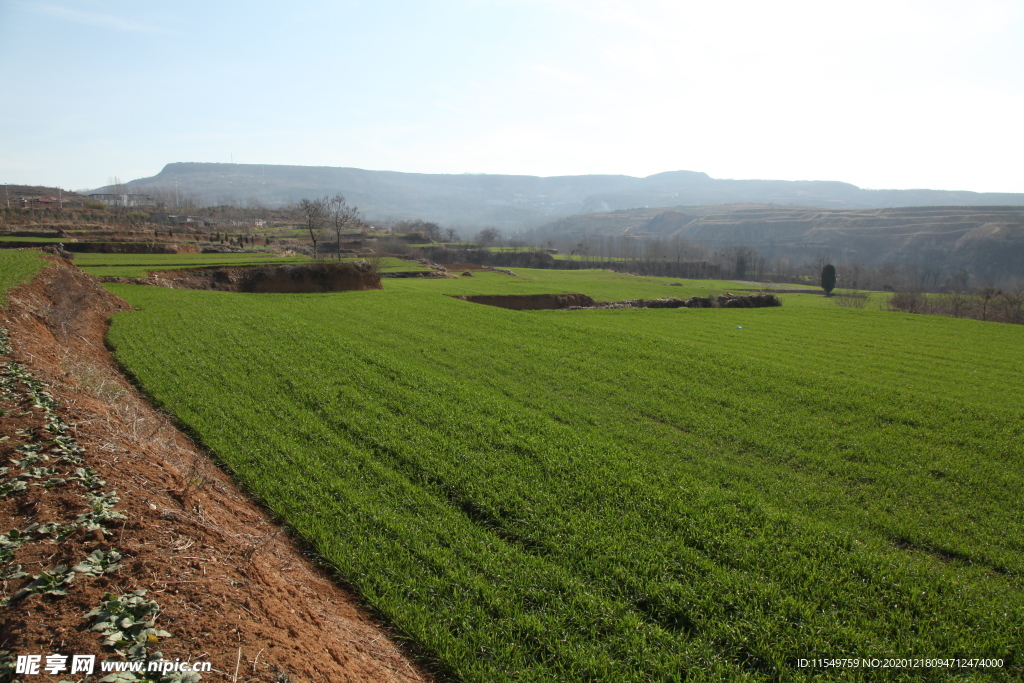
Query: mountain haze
988, 241
516, 202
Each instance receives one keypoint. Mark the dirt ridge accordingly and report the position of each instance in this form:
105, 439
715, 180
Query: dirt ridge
582, 302
530, 302
727, 300
234, 588
285, 278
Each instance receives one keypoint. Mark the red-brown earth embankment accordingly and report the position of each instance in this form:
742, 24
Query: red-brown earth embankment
287, 279
581, 302
532, 302
721, 301
232, 586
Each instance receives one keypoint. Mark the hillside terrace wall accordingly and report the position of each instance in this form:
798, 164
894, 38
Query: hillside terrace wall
284, 279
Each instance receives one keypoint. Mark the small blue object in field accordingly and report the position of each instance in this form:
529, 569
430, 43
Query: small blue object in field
739, 327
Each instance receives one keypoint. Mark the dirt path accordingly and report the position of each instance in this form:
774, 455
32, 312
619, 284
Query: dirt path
233, 588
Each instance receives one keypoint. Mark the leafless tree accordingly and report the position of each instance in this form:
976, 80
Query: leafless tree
487, 237
116, 187
341, 215
986, 294
431, 230
451, 235
314, 214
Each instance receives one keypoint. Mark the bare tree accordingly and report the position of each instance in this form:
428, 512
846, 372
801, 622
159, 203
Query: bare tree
487, 237
120, 190
341, 214
433, 231
451, 235
986, 294
314, 213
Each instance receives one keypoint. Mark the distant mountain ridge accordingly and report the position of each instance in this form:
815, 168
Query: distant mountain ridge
987, 241
517, 202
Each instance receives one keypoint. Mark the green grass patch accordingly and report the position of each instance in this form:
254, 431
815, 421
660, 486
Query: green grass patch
134, 259
52, 240
170, 261
390, 264
292, 233
582, 257
602, 285
140, 265
622, 495
446, 244
17, 266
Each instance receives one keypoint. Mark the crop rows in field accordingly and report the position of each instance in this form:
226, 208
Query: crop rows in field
17, 267
622, 495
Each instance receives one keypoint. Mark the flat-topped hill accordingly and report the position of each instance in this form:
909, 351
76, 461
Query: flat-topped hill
519, 201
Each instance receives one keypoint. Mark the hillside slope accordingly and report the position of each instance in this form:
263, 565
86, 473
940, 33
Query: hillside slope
986, 241
518, 201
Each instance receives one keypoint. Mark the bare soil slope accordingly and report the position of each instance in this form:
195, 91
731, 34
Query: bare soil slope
530, 302
234, 589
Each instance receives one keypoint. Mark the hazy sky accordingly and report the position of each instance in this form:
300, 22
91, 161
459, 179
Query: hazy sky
883, 94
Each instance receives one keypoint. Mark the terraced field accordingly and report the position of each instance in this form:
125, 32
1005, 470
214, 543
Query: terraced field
12, 238
622, 495
140, 265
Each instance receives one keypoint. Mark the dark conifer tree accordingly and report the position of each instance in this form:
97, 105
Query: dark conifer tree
828, 278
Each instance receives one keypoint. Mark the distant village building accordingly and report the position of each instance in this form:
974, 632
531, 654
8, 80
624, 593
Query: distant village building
39, 202
125, 200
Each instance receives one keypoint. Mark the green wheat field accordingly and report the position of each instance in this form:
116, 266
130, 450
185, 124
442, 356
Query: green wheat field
622, 495
141, 265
